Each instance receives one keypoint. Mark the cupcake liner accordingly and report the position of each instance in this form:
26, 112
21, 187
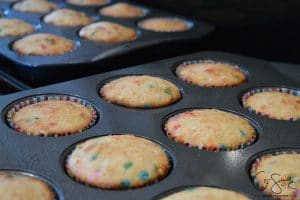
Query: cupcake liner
36, 99
248, 94
209, 61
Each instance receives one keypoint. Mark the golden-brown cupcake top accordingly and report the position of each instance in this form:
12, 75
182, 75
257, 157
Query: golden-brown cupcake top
210, 129
52, 118
140, 91
284, 166
88, 2
168, 24
205, 193
67, 17
122, 10
118, 162
14, 27
275, 105
108, 32
14, 186
211, 74
35, 6
43, 44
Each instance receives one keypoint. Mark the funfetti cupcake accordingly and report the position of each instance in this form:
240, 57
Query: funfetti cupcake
140, 91
51, 116
210, 129
15, 186
208, 73
118, 162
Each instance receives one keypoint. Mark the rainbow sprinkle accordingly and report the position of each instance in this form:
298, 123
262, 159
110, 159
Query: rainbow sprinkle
127, 165
143, 175
125, 183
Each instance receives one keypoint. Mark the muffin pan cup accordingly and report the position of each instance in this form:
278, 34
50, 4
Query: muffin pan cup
251, 140
295, 92
191, 166
95, 56
16, 106
278, 179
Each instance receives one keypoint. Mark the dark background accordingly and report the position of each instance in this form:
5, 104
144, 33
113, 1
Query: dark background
268, 29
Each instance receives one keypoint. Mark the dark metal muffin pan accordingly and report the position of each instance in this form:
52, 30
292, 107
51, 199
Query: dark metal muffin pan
191, 167
8, 84
89, 52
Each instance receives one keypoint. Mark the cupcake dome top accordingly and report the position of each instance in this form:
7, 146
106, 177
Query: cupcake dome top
118, 162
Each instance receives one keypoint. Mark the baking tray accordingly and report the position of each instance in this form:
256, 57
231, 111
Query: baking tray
89, 55
8, 84
45, 156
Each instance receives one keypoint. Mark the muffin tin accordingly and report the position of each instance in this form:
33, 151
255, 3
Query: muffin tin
45, 156
89, 53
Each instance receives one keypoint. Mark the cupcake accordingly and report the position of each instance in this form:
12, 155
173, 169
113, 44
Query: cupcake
205, 193
15, 186
108, 32
164, 24
51, 117
210, 74
278, 175
34, 6
122, 10
140, 91
118, 162
67, 17
210, 129
43, 44
275, 103
88, 2
14, 27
